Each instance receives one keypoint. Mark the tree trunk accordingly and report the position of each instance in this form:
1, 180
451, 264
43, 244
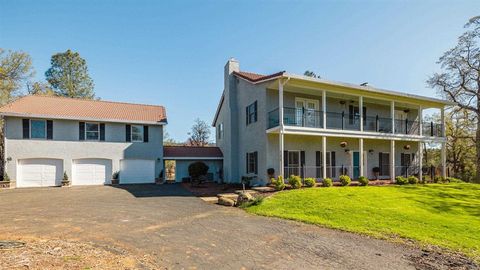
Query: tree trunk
477, 148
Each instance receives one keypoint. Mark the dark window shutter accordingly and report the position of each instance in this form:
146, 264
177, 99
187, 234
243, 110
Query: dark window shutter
380, 162
334, 174
318, 162
128, 133
102, 132
255, 110
26, 128
49, 130
246, 163
246, 113
402, 159
302, 162
145, 133
81, 131
256, 161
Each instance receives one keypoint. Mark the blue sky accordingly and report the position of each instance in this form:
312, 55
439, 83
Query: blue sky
173, 52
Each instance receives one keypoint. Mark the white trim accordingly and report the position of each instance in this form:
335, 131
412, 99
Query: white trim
192, 158
30, 129
352, 134
103, 120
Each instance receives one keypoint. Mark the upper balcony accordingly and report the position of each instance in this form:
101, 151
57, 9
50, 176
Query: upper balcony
310, 118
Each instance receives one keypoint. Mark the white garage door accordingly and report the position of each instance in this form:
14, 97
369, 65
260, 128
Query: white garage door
91, 171
137, 171
39, 172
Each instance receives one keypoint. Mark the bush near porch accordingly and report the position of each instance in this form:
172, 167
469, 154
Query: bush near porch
445, 215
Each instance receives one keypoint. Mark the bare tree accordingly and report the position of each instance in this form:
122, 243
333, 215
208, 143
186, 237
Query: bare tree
459, 79
200, 134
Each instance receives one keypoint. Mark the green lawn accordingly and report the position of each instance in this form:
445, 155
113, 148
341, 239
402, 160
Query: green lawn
446, 215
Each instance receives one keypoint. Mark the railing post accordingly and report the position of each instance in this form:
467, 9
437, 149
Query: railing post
431, 128
376, 123
303, 116
343, 119
406, 125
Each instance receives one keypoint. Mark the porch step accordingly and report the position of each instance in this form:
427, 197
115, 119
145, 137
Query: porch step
263, 189
209, 199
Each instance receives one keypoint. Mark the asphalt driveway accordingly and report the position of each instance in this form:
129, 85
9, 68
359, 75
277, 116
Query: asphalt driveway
181, 231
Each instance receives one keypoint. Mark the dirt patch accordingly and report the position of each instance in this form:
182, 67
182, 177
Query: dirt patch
62, 254
435, 259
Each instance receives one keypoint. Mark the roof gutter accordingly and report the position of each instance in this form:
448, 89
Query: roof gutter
159, 123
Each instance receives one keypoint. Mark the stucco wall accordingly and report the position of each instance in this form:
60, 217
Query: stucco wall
65, 145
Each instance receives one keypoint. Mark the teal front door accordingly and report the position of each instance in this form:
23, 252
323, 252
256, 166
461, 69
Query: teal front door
356, 165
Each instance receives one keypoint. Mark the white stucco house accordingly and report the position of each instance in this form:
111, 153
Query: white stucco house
89, 140
312, 127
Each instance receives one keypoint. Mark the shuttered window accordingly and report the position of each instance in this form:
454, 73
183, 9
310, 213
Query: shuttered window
251, 113
252, 162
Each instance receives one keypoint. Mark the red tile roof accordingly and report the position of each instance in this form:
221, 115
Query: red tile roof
83, 109
254, 77
192, 151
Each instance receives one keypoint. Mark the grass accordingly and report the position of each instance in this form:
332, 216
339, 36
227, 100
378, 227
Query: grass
445, 215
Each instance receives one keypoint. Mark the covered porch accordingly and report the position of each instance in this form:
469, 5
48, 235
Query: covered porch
322, 157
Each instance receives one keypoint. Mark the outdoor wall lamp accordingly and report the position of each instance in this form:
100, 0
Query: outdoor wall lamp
371, 151
406, 147
347, 151
343, 144
9, 158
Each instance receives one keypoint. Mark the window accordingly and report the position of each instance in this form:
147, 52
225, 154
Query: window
137, 133
220, 131
252, 159
92, 131
251, 112
38, 129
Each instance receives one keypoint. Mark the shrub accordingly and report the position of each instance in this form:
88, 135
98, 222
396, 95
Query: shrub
256, 201
278, 184
412, 180
345, 180
310, 182
363, 181
400, 180
65, 176
327, 182
453, 180
115, 175
6, 178
295, 181
439, 179
197, 169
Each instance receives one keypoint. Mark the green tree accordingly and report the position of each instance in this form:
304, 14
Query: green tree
459, 79
69, 77
40, 88
15, 70
312, 74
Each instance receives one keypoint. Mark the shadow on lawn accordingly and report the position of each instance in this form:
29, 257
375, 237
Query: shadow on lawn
445, 198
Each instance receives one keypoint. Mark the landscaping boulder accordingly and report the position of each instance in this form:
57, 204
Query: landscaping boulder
226, 201
244, 197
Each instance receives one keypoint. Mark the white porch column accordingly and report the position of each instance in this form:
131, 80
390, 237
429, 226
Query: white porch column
392, 160
324, 108
420, 160
442, 118
280, 121
392, 115
420, 119
444, 159
324, 157
361, 171
360, 110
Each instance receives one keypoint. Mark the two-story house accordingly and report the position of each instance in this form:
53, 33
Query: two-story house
312, 127
89, 140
